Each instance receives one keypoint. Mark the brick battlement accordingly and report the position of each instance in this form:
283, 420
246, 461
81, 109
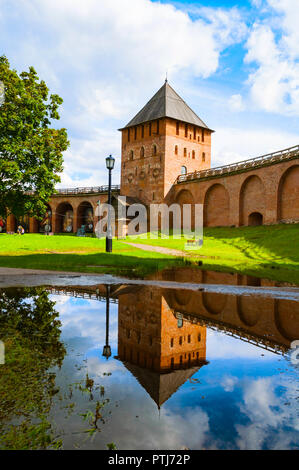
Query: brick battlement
240, 167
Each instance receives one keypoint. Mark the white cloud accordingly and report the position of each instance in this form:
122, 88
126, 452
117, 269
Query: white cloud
231, 144
106, 58
236, 103
228, 383
267, 412
273, 49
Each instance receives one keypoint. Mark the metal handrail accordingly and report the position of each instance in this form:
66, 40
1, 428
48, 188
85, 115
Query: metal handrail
80, 295
244, 164
86, 190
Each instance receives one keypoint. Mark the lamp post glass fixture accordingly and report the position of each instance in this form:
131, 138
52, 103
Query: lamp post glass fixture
109, 165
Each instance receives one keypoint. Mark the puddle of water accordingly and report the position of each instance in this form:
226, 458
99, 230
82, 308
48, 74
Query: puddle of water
181, 369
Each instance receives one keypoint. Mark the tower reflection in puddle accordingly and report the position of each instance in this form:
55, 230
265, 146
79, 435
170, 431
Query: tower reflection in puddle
162, 333
157, 346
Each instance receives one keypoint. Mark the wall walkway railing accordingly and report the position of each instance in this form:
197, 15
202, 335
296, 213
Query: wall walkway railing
90, 190
80, 294
83, 191
245, 165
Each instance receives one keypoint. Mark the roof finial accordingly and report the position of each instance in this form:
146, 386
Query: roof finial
166, 79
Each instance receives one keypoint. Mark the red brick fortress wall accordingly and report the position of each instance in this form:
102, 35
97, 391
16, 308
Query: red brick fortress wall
265, 195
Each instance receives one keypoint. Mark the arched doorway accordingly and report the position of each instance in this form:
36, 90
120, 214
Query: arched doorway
216, 207
64, 218
288, 196
185, 197
85, 217
46, 224
255, 219
252, 199
11, 224
23, 221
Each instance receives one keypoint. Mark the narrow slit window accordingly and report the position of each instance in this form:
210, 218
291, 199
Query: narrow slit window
183, 170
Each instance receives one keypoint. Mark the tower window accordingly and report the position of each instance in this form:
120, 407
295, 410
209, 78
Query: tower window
203, 157
199, 337
177, 128
135, 133
185, 152
131, 155
193, 154
176, 150
183, 170
186, 130
142, 152
181, 341
202, 135
194, 133
171, 343
154, 150
189, 338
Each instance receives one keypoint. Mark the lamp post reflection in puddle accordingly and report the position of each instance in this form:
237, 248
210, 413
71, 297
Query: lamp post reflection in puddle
107, 348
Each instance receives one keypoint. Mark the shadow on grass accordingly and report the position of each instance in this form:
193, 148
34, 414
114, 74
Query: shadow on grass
132, 266
136, 267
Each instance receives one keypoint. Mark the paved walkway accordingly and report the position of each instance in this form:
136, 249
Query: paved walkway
158, 249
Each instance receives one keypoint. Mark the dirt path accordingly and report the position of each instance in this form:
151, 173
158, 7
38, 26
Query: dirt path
158, 249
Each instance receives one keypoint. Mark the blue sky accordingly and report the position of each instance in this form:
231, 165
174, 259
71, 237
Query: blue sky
235, 63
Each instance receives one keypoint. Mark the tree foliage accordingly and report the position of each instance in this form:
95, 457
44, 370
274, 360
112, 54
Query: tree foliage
31, 151
30, 330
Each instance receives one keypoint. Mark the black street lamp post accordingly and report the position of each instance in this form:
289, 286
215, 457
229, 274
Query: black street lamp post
107, 348
110, 165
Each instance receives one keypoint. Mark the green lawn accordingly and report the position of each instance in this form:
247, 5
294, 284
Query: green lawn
71, 253
271, 252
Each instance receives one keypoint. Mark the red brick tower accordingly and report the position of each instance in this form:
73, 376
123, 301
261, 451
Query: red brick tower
165, 139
